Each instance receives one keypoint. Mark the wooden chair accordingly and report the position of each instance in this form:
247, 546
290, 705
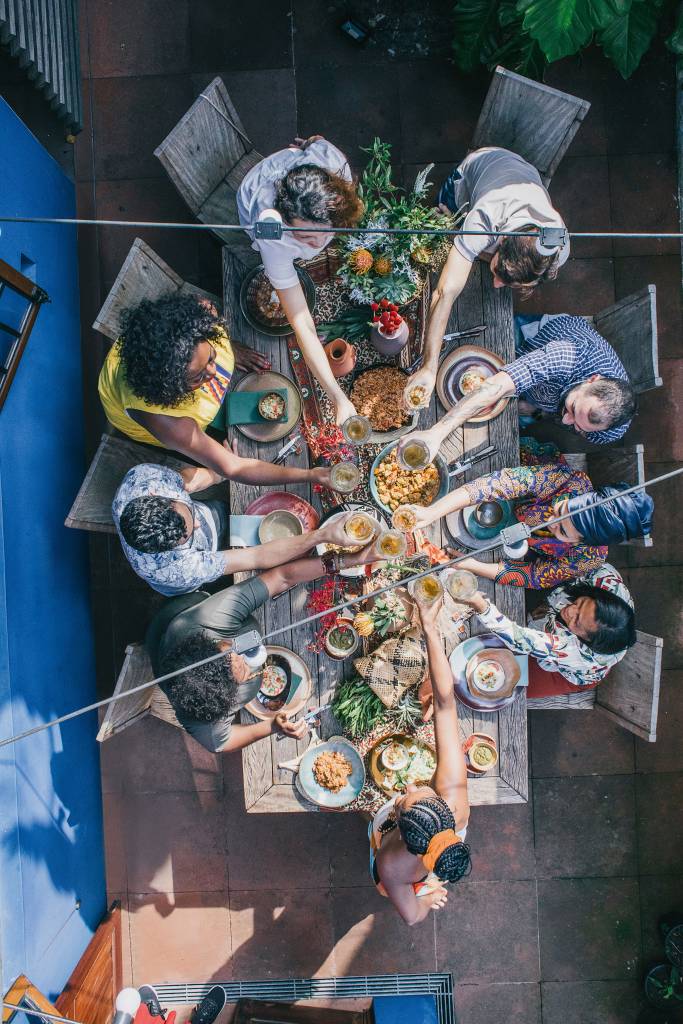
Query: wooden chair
610, 465
115, 456
206, 156
144, 275
136, 669
629, 695
630, 326
529, 118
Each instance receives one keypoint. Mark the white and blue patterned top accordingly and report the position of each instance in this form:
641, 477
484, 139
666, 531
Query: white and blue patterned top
183, 568
562, 353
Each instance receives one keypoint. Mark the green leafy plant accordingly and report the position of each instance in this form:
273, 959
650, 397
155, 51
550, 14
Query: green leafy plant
358, 709
388, 611
406, 713
392, 267
352, 324
526, 35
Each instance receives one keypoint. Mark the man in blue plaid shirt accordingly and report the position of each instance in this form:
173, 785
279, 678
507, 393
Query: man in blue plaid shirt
564, 368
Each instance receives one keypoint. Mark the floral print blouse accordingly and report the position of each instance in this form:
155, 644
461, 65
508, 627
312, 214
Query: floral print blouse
535, 487
547, 639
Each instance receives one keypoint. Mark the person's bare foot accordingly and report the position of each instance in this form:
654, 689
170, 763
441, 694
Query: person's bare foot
249, 358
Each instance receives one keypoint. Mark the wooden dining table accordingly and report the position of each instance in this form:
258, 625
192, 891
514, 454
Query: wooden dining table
269, 788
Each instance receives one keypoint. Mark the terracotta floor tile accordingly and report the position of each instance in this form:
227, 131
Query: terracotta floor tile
658, 596
114, 843
175, 842
632, 273
659, 425
134, 757
370, 937
640, 111
659, 895
281, 934
578, 743
666, 754
643, 191
514, 1004
132, 116
660, 824
280, 851
438, 131
181, 938
591, 1002
240, 36
480, 920
502, 842
589, 928
583, 286
585, 826
580, 191
349, 852
132, 37
668, 497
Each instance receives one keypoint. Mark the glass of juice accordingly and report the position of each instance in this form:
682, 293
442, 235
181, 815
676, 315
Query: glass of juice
391, 544
404, 518
461, 584
361, 528
345, 477
413, 455
415, 397
427, 590
357, 429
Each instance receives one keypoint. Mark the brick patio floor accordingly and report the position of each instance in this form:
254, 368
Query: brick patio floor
558, 917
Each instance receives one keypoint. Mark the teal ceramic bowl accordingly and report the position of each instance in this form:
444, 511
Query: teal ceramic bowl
439, 462
318, 794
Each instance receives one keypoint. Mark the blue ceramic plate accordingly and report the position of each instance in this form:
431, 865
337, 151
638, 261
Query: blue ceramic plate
461, 654
439, 462
318, 794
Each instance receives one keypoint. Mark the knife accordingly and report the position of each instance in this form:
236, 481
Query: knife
308, 717
291, 448
469, 459
470, 332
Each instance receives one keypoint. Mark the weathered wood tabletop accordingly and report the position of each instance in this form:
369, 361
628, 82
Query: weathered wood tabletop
270, 789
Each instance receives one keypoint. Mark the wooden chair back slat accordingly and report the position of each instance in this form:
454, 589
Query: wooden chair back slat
579, 701
529, 118
136, 669
144, 275
630, 326
630, 693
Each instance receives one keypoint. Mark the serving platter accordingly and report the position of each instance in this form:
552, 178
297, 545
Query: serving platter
378, 772
319, 795
283, 501
459, 659
250, 311
297, 700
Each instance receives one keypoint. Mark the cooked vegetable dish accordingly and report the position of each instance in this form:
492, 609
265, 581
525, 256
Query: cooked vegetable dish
396, 486
332, 770
378, 394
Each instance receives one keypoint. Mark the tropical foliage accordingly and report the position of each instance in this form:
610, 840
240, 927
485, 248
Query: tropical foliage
526, 35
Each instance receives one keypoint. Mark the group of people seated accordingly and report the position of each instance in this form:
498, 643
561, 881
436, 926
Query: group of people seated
164, 382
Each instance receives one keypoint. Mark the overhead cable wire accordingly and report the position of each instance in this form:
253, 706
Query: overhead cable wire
343, 605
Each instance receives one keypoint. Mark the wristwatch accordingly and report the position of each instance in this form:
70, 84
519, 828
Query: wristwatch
331, 562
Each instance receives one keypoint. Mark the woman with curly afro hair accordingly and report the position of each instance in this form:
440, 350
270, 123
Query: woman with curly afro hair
310, 186
417, 839
165, 379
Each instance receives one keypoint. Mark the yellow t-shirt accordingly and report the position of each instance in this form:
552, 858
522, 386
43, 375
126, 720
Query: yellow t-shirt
201, 406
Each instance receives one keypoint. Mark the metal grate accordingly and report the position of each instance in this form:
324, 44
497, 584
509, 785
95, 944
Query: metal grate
42, 36
288, 990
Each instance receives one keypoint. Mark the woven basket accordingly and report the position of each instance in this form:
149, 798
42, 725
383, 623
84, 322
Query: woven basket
397, 664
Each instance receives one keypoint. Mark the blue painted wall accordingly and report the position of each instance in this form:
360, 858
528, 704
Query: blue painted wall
52, 888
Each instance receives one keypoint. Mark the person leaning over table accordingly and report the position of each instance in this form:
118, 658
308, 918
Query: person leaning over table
565, 368
310, 186
187, 629
417, 839
544, 487
584, 630
176, 544
165, 379
504, 193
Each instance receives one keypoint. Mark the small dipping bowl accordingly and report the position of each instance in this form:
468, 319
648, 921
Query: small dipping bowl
279, 525
263, 406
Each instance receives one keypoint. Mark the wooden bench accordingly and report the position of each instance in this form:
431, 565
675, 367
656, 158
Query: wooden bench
144, 275
629, 695
206, 156
529, 118
136, 669
609, 465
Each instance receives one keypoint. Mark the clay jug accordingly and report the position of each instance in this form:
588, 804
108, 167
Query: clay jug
341, 356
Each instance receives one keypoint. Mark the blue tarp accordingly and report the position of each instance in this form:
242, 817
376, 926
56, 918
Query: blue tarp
52, 889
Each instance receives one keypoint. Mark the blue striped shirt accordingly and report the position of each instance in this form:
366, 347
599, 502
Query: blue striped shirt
565, 352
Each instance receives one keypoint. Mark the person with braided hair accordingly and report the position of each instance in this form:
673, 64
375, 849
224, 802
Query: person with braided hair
417, 839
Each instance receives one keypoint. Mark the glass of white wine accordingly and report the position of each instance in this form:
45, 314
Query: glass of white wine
345, 477
413, 455
361, 528
357, 429
427, 590
461, 584
391, 544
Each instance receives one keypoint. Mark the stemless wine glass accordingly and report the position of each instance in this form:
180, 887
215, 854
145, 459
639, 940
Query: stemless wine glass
412, 454
391, 544
427, 590
357, 429
361, 528
404, 518
345, 477
461, 584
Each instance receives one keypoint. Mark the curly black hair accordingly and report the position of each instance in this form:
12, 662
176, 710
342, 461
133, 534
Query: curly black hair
205, 693
157, 343
420, 823
150, 524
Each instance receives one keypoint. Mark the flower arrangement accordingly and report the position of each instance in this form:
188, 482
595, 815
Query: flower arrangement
393, 267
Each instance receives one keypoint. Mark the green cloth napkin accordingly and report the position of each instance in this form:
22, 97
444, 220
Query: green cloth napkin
242, 406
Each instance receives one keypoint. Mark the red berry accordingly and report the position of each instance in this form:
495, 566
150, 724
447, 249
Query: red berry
375, 320
385, 319
384, 303
393, 308
374, 306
